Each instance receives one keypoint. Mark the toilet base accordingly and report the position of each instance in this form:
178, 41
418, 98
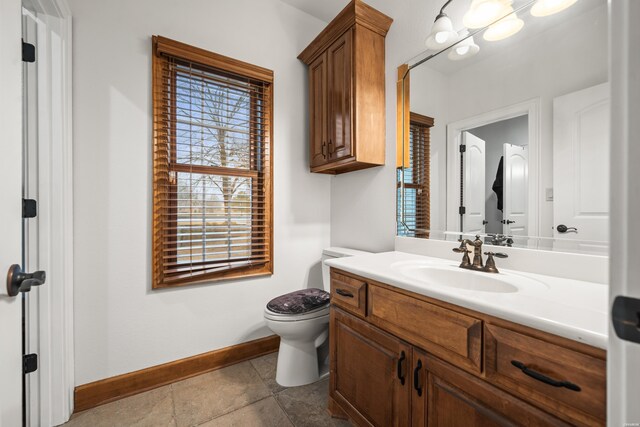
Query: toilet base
301, 363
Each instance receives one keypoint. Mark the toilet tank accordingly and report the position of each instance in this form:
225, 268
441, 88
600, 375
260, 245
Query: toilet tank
335, 252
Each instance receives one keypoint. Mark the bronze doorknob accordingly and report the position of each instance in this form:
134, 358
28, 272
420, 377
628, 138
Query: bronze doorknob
19, 281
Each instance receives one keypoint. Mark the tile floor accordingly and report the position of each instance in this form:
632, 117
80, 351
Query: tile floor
241, 395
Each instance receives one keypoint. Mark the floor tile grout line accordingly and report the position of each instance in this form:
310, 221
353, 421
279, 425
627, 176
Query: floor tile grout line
245, 405
275, 397
173, 404
260, 376
231, 412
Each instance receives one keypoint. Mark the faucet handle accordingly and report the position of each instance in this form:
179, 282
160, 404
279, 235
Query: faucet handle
462, 248
497, 254
490, 266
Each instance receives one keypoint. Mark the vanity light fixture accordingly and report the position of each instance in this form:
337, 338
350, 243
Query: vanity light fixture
465, 49
442, 33
549, 7
483, 12
506, 27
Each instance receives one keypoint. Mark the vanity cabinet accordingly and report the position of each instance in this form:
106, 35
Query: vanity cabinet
444, 395
403, 359
347, 91
369, 372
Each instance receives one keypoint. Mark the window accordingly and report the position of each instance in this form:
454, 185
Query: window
416, 180
212, 168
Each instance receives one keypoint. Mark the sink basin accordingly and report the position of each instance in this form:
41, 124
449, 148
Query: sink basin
458, 278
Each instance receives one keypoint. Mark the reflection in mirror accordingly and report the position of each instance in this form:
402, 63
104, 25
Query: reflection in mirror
506, 133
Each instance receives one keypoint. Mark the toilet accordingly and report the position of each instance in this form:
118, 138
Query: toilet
301, 319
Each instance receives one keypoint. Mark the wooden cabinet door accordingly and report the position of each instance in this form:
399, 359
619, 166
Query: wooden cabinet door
318, 124
443, 395
340, 63
369, 372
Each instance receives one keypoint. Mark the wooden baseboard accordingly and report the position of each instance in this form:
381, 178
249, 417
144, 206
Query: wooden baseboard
110, 389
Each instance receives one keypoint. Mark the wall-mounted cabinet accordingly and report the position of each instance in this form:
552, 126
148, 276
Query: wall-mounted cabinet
347, 91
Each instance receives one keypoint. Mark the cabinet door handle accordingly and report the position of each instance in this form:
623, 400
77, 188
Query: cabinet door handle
416, 378
401, 360
330, 145
324, 148
543, 378
344, 293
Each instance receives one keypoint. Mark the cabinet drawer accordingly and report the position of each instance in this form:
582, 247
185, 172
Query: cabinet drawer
564, 381
349, 293
445, 333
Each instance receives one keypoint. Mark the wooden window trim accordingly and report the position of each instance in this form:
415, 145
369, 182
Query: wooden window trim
424, 123
164, 46
423, 222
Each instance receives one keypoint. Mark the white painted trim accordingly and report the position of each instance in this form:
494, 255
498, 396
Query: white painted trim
454, 133
54, 312
10, 218
623, 357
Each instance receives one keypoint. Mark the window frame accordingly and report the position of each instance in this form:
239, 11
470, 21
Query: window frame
420, 123
162, 48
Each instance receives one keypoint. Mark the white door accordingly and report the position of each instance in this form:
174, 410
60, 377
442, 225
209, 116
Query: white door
515, 186
11, 210
581, 164
474, 184
623, 355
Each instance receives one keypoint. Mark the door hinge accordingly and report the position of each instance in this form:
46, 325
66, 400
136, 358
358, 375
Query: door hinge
462, 210
28, 52
30, 363
625, 315
29, 208
463, 148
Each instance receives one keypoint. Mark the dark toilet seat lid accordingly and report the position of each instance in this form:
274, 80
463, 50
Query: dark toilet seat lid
298, 302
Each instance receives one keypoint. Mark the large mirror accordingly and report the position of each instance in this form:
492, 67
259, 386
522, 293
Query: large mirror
503, 128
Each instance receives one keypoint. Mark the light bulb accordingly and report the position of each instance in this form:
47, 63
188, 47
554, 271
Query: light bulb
465, 49
506, 27
442, 34
483, 12
549, 7
441, 37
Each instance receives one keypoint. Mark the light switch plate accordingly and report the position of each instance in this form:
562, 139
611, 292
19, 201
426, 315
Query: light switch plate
549, 194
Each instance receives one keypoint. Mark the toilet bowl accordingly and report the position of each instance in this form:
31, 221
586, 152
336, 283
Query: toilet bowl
301, 319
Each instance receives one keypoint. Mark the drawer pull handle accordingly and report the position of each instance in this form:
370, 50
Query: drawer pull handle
344, 293
402, 358
416, 378
545, 379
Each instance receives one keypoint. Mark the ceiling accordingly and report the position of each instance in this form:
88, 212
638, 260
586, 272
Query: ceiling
326, 10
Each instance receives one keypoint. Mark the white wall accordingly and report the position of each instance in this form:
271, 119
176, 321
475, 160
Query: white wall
121, 325
429, 91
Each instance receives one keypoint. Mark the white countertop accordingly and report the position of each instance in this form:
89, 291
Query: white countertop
569, 308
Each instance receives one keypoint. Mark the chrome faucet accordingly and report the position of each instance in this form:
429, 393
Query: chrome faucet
477, 264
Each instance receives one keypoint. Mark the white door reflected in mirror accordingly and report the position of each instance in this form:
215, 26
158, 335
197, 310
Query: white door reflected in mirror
473, 220
516, 188
581, 164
